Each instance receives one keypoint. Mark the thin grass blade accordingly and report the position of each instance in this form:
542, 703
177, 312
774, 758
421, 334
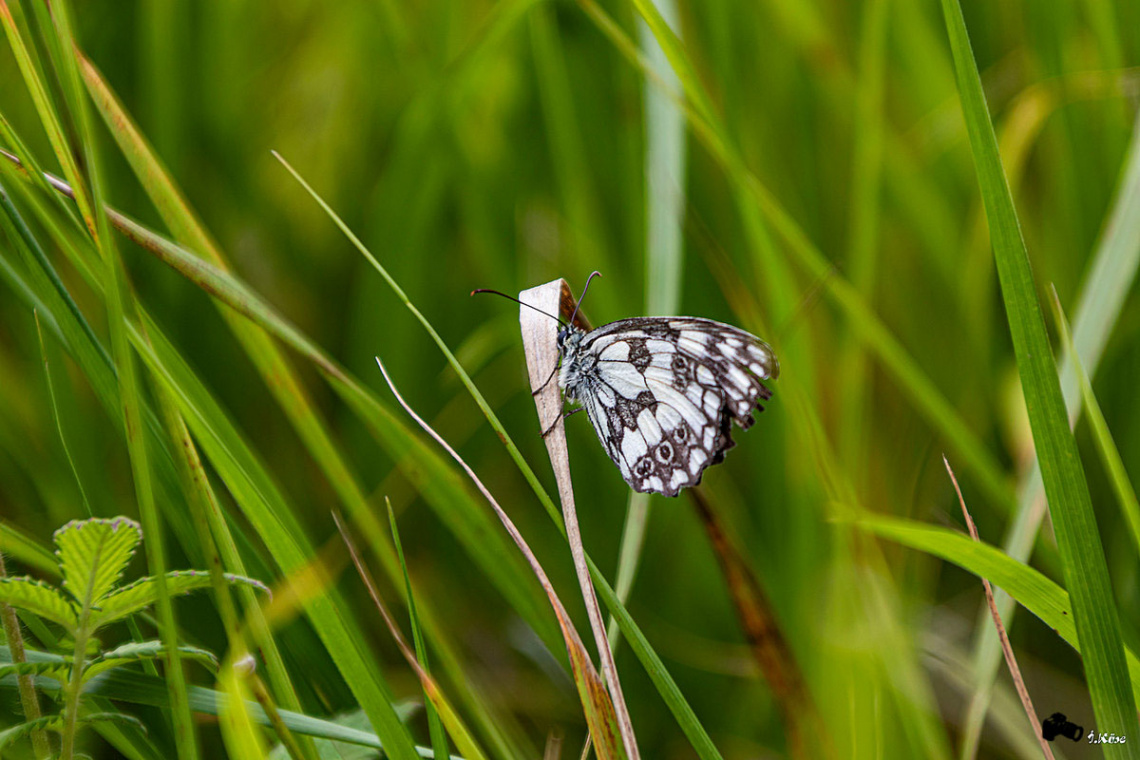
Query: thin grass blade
435, 728
1070, 505
1106, 447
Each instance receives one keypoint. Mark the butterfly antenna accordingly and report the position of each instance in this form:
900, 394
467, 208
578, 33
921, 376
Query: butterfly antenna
521, 303
585, 287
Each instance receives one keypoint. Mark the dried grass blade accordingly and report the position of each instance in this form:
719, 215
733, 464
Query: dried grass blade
1006, 647
541, 356
599, 710
455, 726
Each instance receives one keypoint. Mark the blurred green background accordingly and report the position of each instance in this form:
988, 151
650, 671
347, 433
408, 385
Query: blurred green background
503, 145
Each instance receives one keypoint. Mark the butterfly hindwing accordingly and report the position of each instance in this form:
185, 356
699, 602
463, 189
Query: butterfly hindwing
662, 393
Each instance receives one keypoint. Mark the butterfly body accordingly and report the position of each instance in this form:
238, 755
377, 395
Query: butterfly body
662, 393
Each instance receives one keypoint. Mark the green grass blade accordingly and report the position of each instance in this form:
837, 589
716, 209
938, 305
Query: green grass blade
273, 519
95, 370
242, 737
1111, 274
49, 116
59, 422
435, 727
665, 198
1106, 447
924, 394
1102, 297
279, 376
588, 245
209, 522
1029, 587
665, 177
75, 330
866, 209
27, 550
119, 303
62, 317
1086, 571
660, 676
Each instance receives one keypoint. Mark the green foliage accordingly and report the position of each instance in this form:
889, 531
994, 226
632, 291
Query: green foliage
334, 750
846, 180
144, 592
145, 650
40, 599
1070, 504
92, 556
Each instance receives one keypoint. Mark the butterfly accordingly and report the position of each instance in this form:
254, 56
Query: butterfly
662, 392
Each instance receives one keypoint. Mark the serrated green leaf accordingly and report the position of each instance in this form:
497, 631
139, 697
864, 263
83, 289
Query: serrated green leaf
38, 598
15, 733
142, 593
56, 670
93, 554
146, 650
112, 717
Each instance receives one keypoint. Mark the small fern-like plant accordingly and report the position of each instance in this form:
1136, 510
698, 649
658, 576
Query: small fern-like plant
92, 555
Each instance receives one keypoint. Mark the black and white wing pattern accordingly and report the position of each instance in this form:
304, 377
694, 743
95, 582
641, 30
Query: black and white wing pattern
663, 392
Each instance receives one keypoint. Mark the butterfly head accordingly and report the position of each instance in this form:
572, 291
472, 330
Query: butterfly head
568, 339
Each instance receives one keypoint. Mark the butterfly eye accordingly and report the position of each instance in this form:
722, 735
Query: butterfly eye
665, 452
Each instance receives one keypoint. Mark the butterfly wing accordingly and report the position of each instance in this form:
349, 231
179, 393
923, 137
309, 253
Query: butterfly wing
665, 391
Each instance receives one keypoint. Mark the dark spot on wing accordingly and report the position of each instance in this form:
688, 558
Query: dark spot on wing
660, 330
682, 372
627, 409
639, 355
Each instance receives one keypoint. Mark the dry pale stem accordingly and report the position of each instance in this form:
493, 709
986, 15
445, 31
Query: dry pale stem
1006, 648
539, 342
595, 701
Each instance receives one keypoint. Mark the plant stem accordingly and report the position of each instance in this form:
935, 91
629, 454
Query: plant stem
78, 665
28, 699
75, 686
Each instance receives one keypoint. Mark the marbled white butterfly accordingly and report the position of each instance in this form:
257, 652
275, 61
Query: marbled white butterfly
663, 392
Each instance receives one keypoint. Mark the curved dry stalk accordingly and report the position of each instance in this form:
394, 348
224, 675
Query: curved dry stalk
541, 350
599, 709
1006, 647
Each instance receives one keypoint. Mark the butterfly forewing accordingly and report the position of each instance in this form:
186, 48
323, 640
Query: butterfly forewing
662, 393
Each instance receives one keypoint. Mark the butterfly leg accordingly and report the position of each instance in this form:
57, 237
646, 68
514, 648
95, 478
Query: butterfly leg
538, 390
563, 417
